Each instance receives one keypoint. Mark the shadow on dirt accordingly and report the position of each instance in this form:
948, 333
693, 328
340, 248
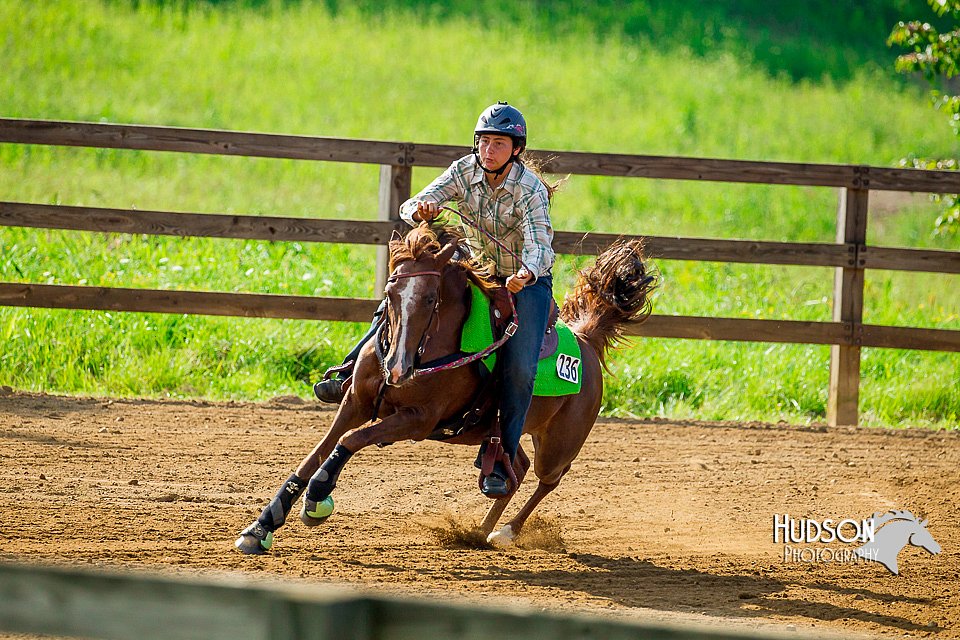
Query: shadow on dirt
640, 583
40, 438
38, 405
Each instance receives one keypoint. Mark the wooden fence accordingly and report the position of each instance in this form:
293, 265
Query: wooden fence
141, 606
850, 256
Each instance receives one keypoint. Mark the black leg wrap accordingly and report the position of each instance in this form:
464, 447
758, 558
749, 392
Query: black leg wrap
275, 513
325, 479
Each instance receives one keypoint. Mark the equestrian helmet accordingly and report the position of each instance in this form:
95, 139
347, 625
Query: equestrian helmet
505, 120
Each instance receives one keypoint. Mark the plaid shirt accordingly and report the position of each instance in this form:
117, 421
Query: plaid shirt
517, 213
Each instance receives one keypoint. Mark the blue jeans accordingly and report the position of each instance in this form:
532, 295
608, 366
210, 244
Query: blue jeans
519, 360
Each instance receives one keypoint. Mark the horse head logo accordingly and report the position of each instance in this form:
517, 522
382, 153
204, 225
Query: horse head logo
903, 528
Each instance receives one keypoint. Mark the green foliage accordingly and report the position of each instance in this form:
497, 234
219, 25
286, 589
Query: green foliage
409, 70
813, 39
936, 55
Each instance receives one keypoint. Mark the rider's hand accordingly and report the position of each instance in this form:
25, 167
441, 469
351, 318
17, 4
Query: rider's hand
519, 281
427, 211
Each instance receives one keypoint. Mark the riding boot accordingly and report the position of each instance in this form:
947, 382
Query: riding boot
497, 482
496, 468
331, 391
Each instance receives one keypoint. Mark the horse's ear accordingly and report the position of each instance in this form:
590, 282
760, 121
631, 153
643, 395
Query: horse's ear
395, 241
446, 253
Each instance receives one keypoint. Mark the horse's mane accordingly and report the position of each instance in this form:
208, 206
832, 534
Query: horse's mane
424, 238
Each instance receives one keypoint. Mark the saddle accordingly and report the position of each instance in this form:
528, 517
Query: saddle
500, 315
485, 400
551, 339
484, 403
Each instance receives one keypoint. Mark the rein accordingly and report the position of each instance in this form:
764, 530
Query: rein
472, 223
479, 355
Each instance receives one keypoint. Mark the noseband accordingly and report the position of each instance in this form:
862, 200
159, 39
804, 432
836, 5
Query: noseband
397, 276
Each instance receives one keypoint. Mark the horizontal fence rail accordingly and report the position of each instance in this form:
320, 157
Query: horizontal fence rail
211, 303
809, 254
228, 143
149, 138
143, 606
849, 256
45, 216
252, 305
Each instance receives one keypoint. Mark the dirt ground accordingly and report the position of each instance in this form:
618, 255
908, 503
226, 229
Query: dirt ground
658, 521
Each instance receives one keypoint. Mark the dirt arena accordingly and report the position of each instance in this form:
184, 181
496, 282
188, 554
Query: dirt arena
657, 521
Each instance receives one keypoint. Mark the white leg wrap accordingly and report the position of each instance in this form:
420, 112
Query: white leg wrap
502, 538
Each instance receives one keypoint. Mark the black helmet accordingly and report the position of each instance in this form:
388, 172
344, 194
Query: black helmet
503, 120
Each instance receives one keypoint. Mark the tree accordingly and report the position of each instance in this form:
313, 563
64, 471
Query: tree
937, 56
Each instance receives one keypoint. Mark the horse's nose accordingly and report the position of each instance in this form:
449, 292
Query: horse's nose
398, 374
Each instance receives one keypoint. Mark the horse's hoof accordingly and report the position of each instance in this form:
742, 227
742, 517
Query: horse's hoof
502, 538
315, 513
254, 540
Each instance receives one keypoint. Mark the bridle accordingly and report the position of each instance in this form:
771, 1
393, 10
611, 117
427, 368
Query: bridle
424, 338
452, 361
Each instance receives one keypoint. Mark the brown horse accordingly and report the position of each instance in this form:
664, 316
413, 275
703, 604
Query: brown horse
428, 301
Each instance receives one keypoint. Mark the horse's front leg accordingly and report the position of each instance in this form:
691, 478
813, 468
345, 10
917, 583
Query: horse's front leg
351, 414
407, 423
258, 537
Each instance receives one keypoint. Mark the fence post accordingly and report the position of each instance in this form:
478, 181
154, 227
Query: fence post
394, 190
844, 399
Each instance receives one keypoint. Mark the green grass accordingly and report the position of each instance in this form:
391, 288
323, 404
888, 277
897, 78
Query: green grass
415, 71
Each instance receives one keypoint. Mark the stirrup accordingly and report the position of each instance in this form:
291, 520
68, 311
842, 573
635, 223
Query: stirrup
254, 540
495, 486
492, 454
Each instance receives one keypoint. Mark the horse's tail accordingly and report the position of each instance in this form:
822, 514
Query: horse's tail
613, 292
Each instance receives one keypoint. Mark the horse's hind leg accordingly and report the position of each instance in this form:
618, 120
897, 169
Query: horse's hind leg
520, 466
505, 536
554, 452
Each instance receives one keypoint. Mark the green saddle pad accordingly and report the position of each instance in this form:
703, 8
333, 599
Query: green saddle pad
557, 375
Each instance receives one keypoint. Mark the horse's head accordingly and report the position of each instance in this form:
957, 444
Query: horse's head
899, 529
922, 538
413, 299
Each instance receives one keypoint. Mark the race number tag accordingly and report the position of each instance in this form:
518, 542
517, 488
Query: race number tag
568, 368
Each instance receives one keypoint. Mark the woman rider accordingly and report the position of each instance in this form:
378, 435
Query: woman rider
509, 199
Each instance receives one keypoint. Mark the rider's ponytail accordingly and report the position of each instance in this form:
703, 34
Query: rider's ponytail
535, 165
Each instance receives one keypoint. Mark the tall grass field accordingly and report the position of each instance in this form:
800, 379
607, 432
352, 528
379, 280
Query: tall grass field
692, 79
